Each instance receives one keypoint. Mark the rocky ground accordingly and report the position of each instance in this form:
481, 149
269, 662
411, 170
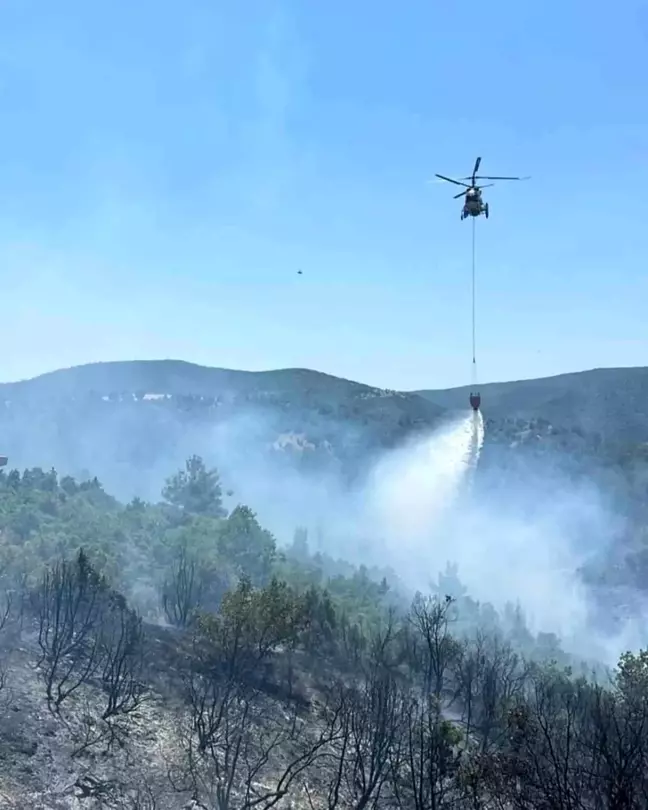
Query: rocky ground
76, 761
69, 762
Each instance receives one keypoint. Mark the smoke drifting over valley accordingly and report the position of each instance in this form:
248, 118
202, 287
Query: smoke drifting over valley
423, 506
378, 478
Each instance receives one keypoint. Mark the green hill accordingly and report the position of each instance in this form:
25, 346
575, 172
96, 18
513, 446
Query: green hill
612, 402
129, 420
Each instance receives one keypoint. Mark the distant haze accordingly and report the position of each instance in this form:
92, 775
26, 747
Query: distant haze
377, 477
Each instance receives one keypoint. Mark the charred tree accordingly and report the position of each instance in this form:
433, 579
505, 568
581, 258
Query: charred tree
183, 592
71, 602
490, 679
244, 751
122, 648
429, 767
363, 756
431, 618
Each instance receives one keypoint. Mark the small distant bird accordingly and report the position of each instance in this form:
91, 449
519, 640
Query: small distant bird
299, 273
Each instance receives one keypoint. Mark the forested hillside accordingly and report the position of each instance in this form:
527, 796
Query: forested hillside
130, 422
169, 655
609, 404
294, 443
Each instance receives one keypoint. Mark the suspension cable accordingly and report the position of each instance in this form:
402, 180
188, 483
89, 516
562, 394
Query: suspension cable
474, 333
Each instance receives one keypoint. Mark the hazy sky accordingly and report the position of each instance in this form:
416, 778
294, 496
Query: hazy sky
166, 168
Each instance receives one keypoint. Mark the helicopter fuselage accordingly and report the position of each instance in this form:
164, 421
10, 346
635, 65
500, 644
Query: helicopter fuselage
473, 204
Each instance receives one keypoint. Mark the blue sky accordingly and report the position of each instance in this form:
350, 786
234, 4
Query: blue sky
166, 168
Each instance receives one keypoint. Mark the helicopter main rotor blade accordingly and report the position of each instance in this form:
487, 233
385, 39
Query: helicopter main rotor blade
450, 180
461, 194
489, 177
476, 169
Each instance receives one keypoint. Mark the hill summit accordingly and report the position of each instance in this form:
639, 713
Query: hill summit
130, 422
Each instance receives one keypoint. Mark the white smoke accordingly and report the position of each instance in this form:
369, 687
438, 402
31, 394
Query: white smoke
513, 540
523, 544
429, 515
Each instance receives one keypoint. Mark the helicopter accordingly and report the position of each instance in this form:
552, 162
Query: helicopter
473, 203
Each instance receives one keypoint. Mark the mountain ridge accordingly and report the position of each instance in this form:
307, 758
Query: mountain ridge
194, 373
173, 364
606, 401
129, 418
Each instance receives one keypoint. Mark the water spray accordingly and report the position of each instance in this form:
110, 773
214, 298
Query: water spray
414, 492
